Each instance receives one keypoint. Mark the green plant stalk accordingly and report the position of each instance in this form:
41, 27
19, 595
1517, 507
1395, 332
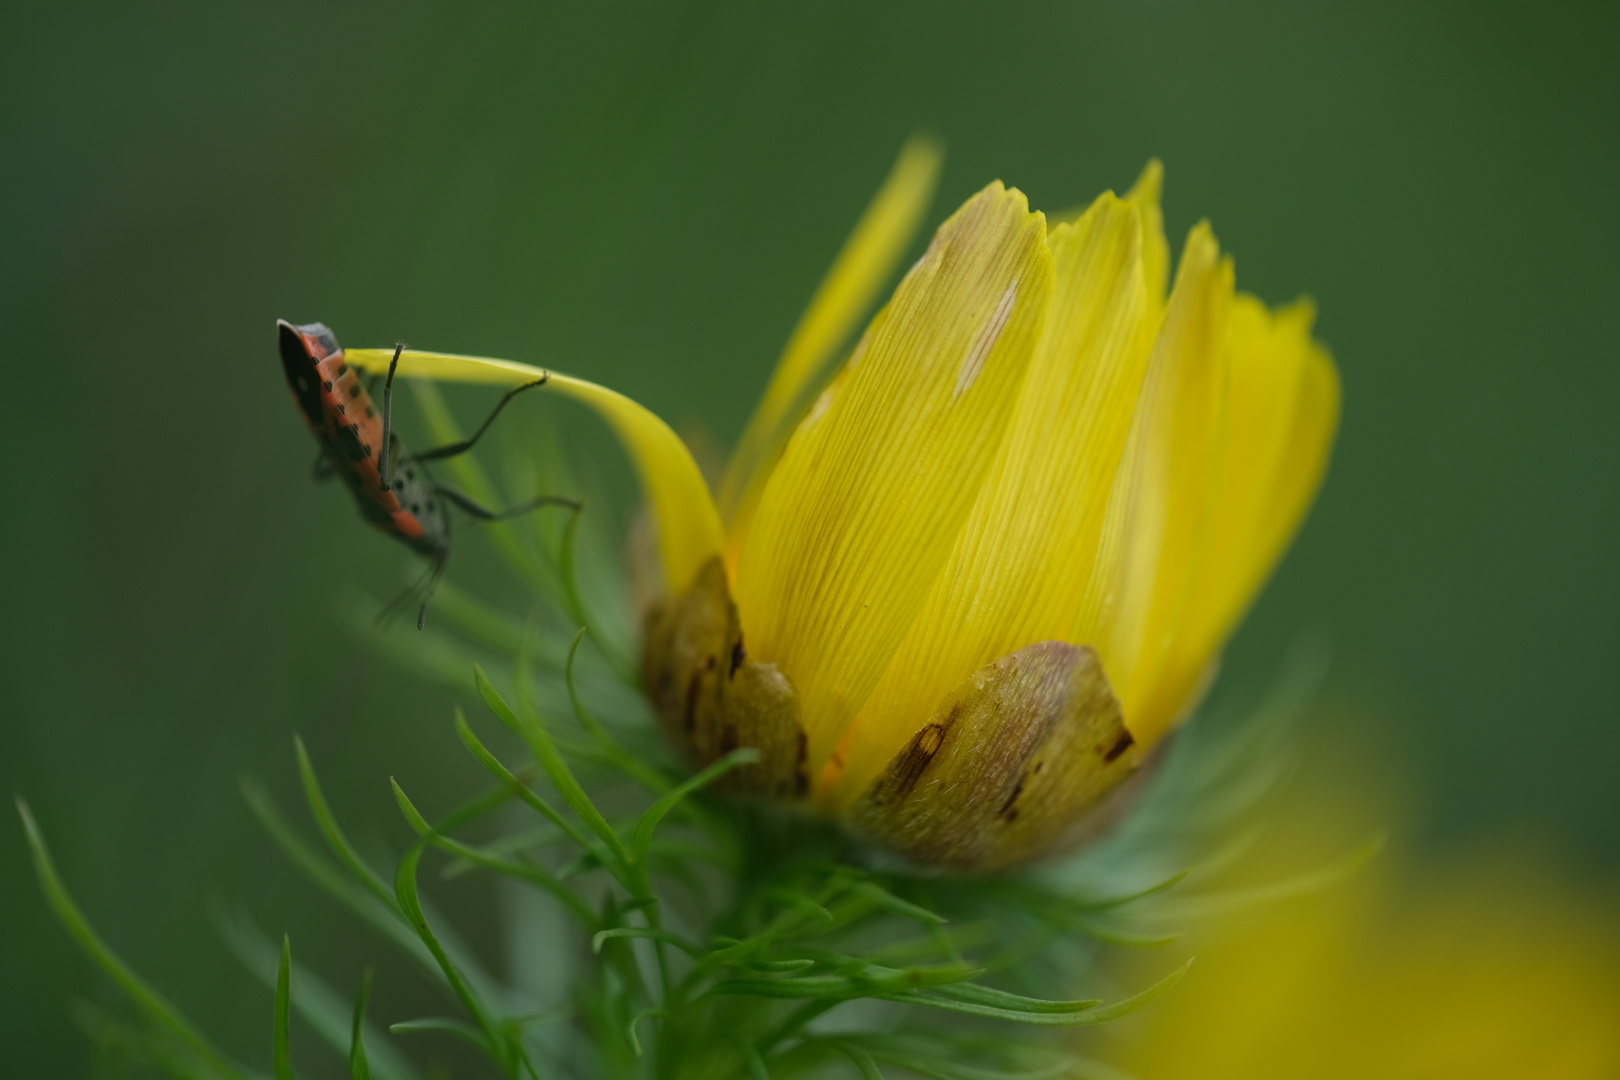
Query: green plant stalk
281, 1050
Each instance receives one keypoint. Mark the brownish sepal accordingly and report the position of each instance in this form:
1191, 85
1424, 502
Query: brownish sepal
712, 699
1009, 769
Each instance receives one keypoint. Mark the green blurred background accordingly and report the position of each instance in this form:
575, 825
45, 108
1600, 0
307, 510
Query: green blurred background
646, 195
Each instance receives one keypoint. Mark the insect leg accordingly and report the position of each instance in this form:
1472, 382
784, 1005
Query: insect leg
464, 445
388, 402
484, 513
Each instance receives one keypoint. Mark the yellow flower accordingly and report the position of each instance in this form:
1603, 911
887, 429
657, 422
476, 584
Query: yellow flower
1497, 968
956, 595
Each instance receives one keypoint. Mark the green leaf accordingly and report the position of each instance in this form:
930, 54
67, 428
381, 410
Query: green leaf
876, 982
509, 1053
984, 995
780, 965
642, 839
326, 1012
1118, 935
533, 875
410, 903
281, 1052
568, 570
592, 726
489, 761
511, 844
441, 1025
891, 903
1098, 1015
145, 997
754, 1063
614, 755
533, 732
937, 942
647, 933
630, 1028
1300, 885
481, 806
387, 920
1155, 889
358, 1068
1140, 1000
330, 829
801, 913
862, 1061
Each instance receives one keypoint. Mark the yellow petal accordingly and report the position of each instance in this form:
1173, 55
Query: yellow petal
1155, 534
1145, 195
861, 513
1019, 568
1284, 410
863, 266
688, 524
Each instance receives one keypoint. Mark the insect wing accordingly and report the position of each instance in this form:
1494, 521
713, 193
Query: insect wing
298, 360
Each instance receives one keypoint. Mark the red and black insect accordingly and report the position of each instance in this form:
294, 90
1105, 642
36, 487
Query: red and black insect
392, 489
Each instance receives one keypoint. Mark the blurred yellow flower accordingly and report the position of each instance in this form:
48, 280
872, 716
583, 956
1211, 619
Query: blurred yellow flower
956, 595
1493, 970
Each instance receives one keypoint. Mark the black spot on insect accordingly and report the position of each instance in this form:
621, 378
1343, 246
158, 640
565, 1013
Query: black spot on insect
327, 383
367, 448
354, 390
738, 655
343, 369
416, 508
1121, 744
916, 758
342, 411
370, 412
410, 474
348, 440
399, 485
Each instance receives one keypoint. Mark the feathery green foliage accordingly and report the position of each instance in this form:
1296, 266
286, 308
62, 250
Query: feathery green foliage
710, 938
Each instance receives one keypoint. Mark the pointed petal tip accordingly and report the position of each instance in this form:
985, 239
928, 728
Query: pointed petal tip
923, 150
1302, 309
1149, 186
863, 266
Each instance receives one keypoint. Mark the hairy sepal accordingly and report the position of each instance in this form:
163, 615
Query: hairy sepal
713, 699
1011, 767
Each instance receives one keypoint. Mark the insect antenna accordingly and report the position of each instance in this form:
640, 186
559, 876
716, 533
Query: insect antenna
425, 586
432, 587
